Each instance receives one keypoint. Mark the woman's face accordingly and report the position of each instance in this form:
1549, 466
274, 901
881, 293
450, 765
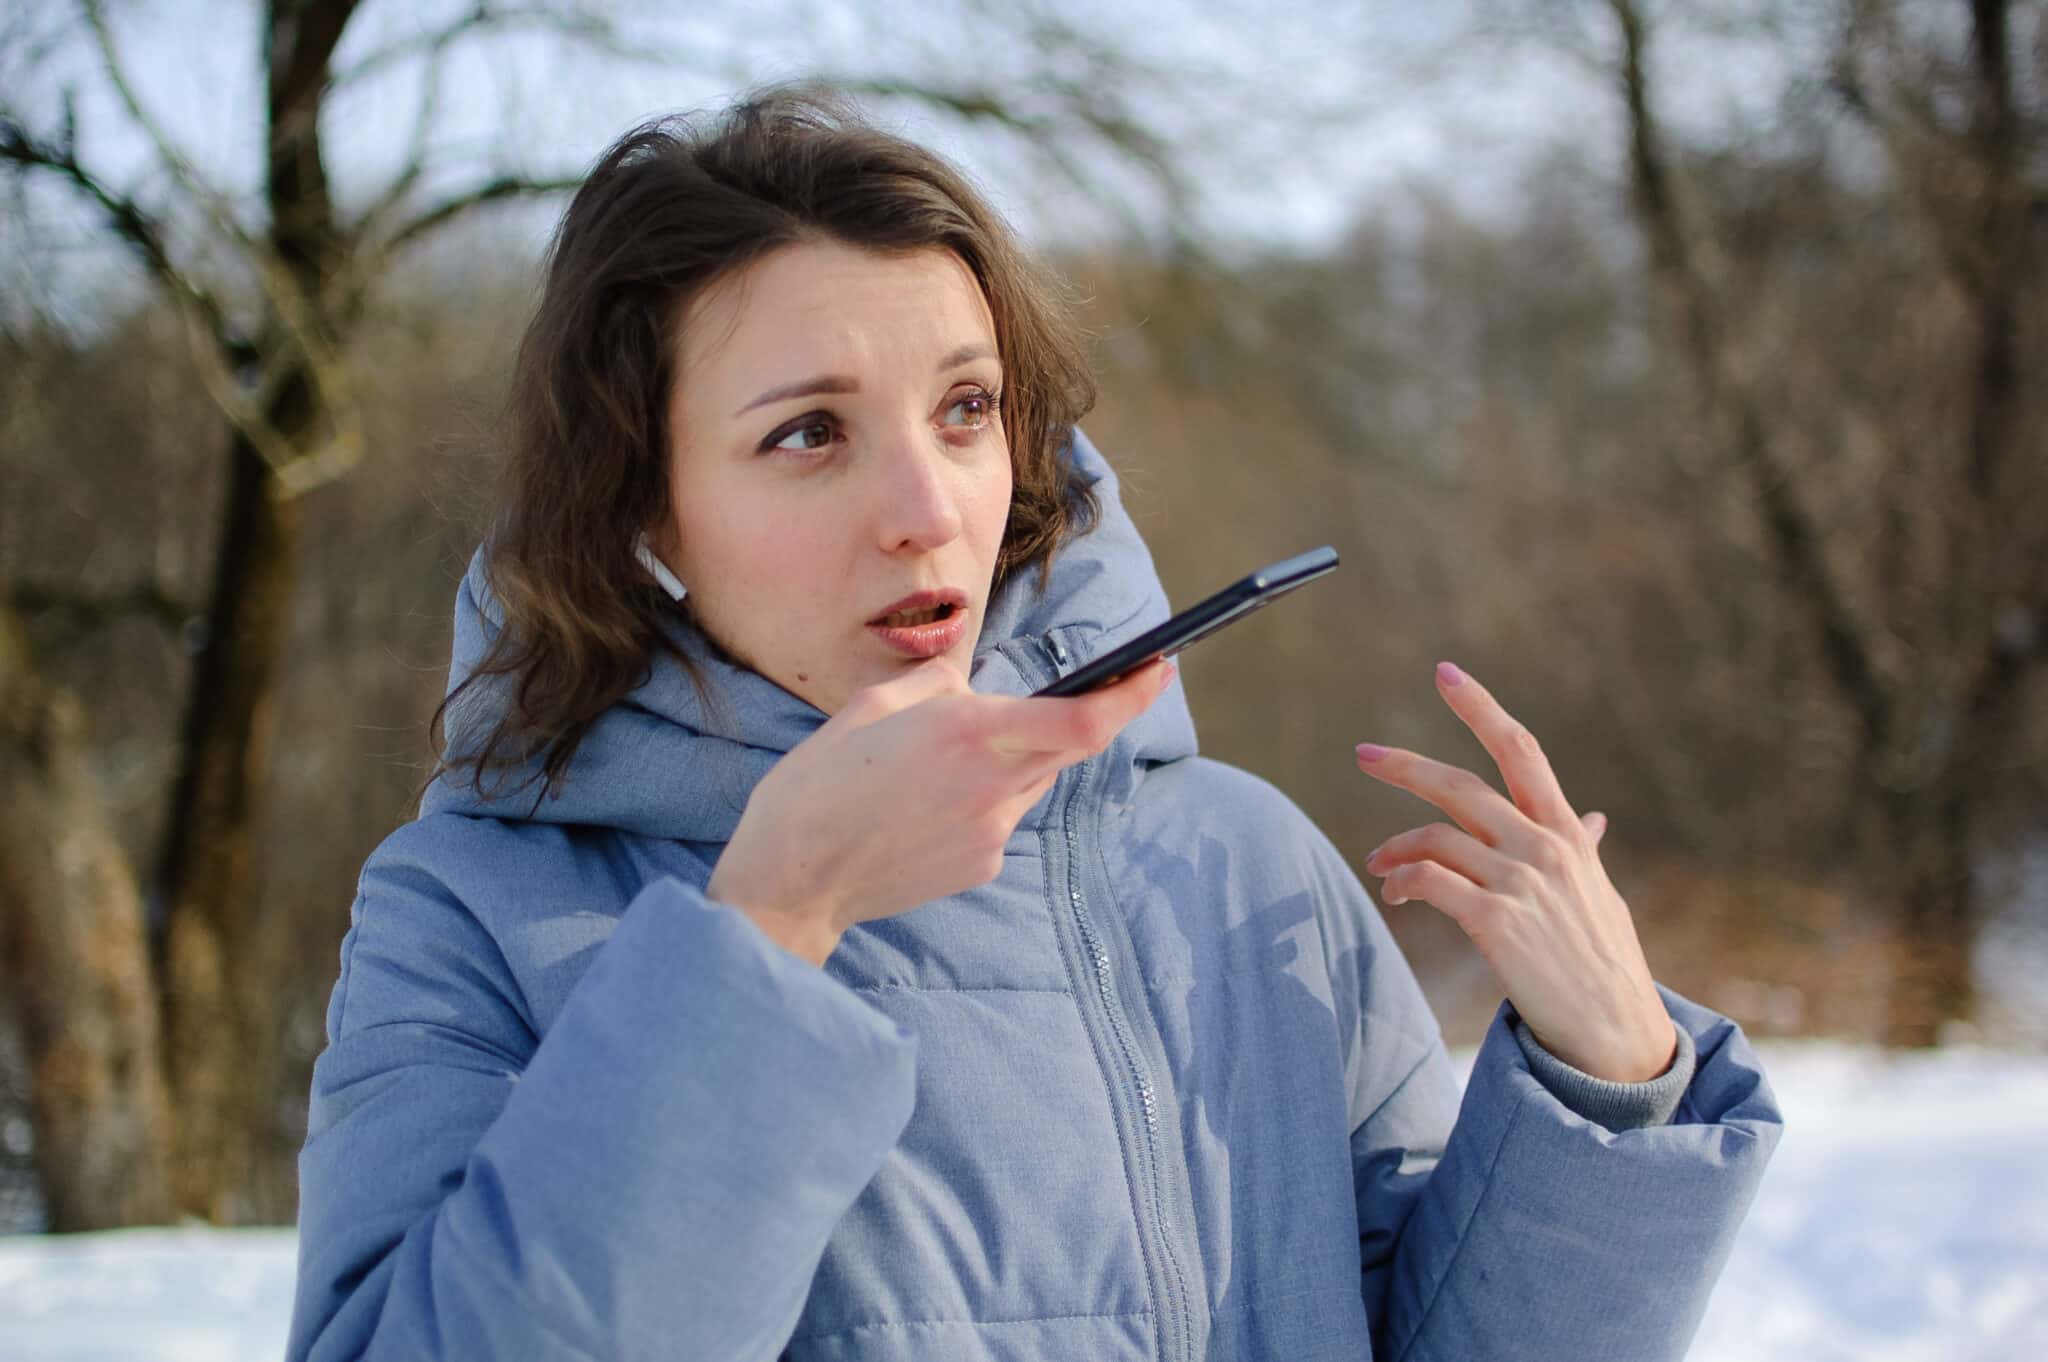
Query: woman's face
835, 448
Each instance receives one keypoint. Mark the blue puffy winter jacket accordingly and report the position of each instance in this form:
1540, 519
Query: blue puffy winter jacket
1165, 1088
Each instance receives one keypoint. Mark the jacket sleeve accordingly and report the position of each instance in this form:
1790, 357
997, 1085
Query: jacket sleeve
655, 1177
1535, 1233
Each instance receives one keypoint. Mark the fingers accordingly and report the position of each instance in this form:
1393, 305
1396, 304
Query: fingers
1020, 803
933, 677
1032, 739
1474, 909
1011, 808
1448, 846
1080, 724
1032, 769
1478, 808
1513, 748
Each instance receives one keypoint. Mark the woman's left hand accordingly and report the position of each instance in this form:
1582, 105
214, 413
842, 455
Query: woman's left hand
1523, 879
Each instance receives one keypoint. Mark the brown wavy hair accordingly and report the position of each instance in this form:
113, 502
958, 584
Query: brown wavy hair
672, 207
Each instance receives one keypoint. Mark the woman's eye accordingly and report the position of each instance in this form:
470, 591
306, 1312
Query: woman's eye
803, 436
980, 406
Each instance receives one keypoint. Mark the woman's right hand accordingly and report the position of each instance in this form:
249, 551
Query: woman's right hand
908, 794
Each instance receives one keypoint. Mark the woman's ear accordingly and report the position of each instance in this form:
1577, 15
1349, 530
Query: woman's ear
669, 581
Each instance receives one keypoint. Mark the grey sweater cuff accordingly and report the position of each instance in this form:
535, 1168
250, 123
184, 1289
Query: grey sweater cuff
1617, 1106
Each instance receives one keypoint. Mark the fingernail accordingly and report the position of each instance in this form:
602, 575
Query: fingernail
1371, 751
1166, 674
1372, 856
1448, 673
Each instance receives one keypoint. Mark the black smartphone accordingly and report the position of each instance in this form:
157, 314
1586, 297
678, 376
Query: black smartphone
1200, 620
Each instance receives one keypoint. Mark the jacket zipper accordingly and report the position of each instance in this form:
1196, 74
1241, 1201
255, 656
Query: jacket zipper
1170, 1283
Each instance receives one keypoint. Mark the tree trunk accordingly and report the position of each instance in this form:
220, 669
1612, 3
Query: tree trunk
212, 1017
1941, 914
216, 1037
73, 951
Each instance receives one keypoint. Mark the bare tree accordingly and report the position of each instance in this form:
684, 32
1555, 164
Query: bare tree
1934, 676
271, 299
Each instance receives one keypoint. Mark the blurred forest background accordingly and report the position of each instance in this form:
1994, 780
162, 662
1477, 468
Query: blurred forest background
1665, 365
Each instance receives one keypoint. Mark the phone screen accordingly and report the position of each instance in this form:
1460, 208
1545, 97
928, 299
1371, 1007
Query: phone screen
1200, 620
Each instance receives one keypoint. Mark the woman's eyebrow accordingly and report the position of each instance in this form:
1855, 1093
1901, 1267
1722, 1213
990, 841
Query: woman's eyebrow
823, 383
966, 354
839, 383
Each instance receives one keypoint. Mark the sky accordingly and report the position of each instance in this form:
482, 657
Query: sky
1294, 117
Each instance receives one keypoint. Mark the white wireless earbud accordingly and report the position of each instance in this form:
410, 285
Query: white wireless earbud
669, 582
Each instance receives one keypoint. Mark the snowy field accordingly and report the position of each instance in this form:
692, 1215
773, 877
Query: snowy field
1904, 1219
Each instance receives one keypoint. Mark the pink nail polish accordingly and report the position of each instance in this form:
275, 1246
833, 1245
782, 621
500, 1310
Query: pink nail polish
1448, 673
1371, 751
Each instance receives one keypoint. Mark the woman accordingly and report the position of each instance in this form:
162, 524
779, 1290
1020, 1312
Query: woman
819, 994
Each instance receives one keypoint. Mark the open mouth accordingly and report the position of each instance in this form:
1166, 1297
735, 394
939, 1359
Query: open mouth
907, 619
925, 624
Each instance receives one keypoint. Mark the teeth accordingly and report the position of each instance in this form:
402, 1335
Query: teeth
906, 618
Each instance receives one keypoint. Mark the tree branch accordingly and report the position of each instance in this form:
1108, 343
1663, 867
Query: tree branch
187, 176
1911, 133
1085, 107
1847, 642
230, 363
590, 29
586, 30
416, 144
430, 43
504, 187
134, 225
92, 609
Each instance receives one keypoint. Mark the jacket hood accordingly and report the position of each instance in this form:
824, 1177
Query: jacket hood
662, 763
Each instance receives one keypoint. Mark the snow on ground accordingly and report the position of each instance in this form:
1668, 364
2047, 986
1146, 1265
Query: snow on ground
1904, 1219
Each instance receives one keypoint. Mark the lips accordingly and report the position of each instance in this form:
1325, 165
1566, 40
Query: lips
924, 623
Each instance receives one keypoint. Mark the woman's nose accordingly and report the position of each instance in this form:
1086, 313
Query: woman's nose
918, 501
